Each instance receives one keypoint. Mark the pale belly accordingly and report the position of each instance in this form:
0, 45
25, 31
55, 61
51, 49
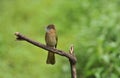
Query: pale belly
51, 40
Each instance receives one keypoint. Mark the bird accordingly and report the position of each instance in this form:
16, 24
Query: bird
51, 40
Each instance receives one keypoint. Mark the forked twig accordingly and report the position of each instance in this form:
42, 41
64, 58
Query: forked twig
70, 56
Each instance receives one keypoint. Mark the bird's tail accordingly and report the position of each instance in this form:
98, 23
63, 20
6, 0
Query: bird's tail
51, 58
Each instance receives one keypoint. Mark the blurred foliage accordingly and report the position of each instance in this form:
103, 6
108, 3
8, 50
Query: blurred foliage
93, 26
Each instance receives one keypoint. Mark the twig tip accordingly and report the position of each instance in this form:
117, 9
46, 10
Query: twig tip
71, 49
16, 33
19, 36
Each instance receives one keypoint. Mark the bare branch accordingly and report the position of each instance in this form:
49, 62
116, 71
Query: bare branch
70, 55
72, 65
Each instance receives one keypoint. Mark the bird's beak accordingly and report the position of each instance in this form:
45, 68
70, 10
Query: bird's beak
46, 29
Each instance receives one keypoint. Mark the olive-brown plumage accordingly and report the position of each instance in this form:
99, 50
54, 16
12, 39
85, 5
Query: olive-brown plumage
51, 41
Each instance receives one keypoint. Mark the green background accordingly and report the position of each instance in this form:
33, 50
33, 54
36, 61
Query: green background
92, 26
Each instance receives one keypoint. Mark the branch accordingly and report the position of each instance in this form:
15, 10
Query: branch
70, 55
72, 65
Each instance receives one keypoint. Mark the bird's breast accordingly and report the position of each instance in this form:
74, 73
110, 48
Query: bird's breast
50, 39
